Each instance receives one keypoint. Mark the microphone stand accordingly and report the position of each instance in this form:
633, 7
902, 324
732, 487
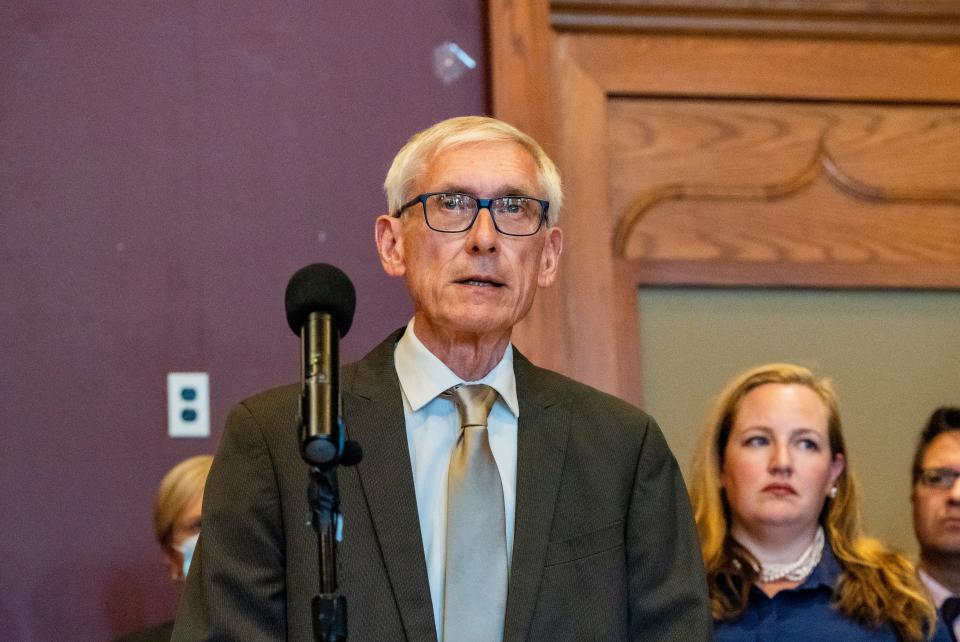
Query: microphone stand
324, 454
329, 608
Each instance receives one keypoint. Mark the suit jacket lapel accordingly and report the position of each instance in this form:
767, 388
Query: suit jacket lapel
376, 421
541, 446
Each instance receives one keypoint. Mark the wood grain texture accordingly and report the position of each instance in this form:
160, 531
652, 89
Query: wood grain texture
748, 159
788, 68
520, 45
776, 184
589, 268
520, 59
931, 20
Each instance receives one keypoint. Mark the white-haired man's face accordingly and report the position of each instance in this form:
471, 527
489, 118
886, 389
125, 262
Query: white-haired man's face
480, 281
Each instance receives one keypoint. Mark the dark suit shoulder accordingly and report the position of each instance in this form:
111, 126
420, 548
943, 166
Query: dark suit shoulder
270, 400
269, 416
159, 633
551, 387
378, 359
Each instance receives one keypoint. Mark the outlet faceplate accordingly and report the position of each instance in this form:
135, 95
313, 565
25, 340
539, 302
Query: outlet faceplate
188, 404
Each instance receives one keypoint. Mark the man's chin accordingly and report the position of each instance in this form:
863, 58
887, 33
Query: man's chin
947, 550
479, 322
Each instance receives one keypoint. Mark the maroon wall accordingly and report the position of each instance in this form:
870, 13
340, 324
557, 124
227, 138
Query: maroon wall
164, 168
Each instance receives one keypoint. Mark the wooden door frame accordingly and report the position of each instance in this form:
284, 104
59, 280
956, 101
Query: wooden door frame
554, 67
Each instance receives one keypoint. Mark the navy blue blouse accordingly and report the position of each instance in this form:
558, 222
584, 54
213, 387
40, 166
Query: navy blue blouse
804, 613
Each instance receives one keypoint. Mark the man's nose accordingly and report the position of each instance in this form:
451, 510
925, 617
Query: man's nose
955, 491
483, 235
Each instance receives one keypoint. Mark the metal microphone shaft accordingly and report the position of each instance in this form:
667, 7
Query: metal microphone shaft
321, 435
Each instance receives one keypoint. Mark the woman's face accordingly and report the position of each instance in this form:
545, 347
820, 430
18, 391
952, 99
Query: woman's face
186, 526
777, 466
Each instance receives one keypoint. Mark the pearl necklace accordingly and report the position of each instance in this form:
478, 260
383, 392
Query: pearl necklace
798, 570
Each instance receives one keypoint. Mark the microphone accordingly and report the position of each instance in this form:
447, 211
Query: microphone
320, 301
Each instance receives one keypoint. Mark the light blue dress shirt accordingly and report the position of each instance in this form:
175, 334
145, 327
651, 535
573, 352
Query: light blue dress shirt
432, 428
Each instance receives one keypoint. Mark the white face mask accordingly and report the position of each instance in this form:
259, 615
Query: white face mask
186, 549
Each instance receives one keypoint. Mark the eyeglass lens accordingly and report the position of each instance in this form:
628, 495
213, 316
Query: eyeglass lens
455, 212
940, 477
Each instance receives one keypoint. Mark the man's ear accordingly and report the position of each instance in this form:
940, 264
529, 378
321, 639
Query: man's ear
550, 257
388, 234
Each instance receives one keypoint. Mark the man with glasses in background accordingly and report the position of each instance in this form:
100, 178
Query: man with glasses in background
936, 511
495, 500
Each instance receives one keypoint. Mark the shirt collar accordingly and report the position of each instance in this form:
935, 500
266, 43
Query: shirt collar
423, 376
826, 572
938, 592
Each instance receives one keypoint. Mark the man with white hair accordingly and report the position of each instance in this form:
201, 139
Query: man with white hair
495, 500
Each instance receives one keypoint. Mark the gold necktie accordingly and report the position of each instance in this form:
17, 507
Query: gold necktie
475, 584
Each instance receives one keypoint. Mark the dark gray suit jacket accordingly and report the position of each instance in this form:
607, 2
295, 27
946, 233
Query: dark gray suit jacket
158, 633
604, 547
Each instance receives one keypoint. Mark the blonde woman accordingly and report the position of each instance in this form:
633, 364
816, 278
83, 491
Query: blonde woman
176, 525
776, 507
176, 513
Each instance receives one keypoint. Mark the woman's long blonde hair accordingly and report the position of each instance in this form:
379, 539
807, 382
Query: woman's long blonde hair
877, 586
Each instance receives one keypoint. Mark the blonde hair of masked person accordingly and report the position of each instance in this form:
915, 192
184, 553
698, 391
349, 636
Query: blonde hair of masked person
177, 490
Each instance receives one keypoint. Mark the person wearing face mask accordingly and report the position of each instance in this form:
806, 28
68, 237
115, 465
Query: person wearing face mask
176, 523
776, 507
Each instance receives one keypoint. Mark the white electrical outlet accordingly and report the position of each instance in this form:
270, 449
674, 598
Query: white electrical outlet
188, 404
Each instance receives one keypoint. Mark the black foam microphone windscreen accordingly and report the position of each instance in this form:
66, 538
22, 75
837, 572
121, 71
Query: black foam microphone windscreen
320, 287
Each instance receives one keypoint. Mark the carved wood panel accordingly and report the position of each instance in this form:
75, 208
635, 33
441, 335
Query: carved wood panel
749, 192
744, 142
890, 19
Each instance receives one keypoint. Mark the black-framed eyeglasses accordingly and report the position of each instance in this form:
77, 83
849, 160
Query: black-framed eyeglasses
939, 477
454, 212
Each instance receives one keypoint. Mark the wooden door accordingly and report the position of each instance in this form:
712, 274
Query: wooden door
731, 143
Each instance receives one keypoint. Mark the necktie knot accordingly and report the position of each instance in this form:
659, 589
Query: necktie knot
473, 402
